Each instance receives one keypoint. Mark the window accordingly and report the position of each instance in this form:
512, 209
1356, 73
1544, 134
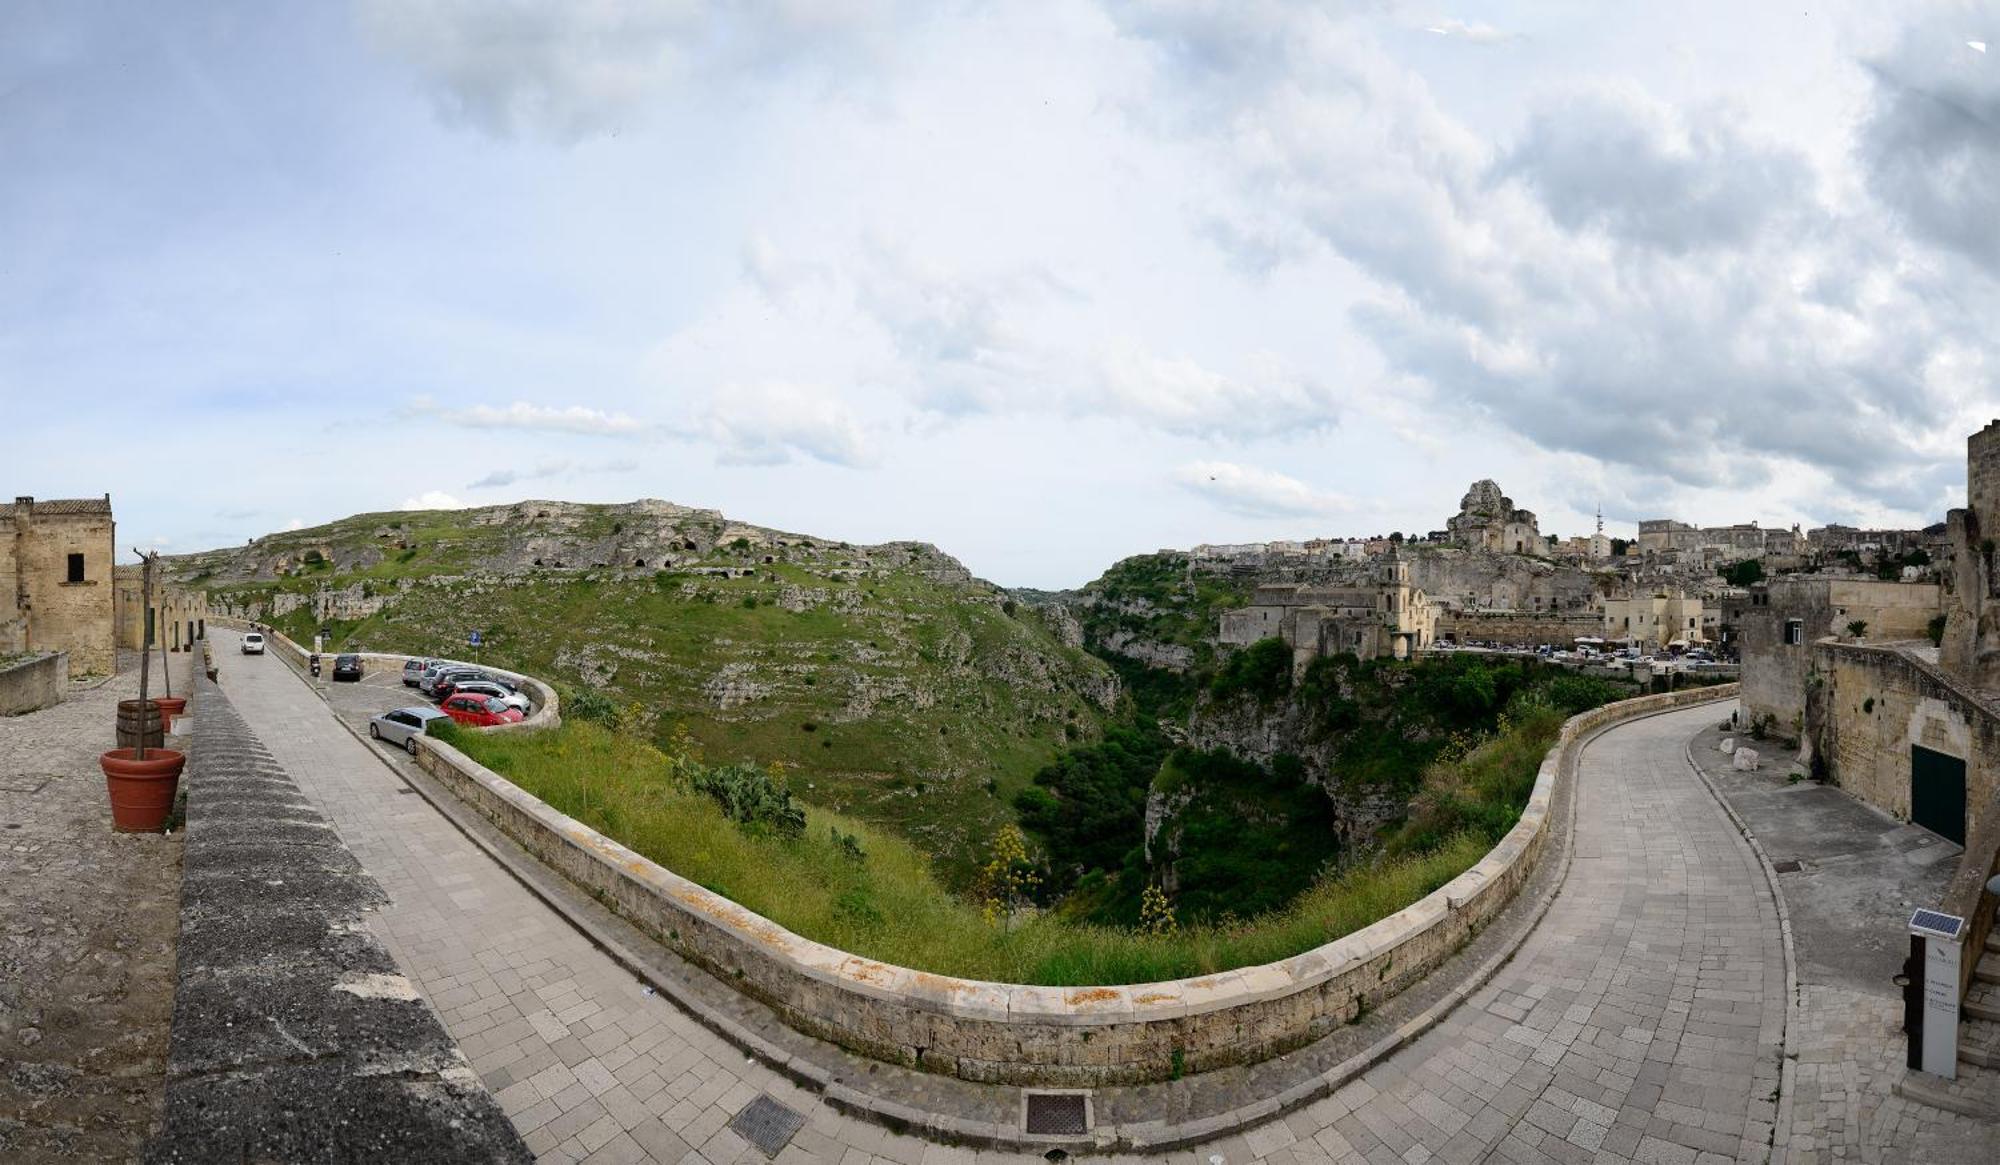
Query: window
76, 568
1795, 632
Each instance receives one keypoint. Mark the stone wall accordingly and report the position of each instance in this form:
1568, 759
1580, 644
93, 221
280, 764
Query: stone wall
1019, 1034
1775, 671
180, 613
1869, 704
34, 684
41, 609
1525, 627
547, 711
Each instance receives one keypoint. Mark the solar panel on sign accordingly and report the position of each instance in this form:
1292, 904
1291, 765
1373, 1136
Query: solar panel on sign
1943, 925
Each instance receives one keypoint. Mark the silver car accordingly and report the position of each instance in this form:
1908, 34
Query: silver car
404, 725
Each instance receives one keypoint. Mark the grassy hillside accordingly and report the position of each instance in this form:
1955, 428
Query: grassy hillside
892, 686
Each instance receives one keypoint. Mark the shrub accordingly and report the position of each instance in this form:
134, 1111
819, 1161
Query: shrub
592, 705
1264, 669
750, 796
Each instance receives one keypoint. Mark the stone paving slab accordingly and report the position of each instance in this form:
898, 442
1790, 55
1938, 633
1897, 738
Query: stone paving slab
285, 1048
1861, 872
1640, 1021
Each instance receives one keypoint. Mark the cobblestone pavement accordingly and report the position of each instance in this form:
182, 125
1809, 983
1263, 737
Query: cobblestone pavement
88, 920
1641, 1021
1859, 874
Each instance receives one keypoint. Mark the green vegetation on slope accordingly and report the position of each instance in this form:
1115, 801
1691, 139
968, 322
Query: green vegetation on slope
877, 896
1247, 837
902, 694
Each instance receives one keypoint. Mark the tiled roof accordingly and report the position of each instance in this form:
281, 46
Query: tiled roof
60, 506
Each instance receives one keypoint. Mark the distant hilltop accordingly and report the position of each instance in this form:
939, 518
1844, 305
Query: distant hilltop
546, 535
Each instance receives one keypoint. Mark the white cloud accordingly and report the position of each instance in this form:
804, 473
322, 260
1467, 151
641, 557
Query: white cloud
432, 499
1258, 493
542, 418
297, 524
1179, 396
500, 478
1473, 33
568, 71
770, 424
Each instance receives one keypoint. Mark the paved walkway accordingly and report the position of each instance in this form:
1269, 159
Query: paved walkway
1641, 1021
1852, 875
88, 922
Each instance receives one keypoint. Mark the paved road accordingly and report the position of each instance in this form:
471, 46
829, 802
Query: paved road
1641, 1021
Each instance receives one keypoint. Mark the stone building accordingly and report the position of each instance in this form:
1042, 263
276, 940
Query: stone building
1654, 621
1488, 520
1389, 618
1776, 624
178, 617
1663, 536
55, 580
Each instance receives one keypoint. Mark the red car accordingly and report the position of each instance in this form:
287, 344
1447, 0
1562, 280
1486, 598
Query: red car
479, 711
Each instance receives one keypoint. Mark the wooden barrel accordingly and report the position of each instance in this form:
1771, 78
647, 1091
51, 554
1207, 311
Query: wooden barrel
132, 715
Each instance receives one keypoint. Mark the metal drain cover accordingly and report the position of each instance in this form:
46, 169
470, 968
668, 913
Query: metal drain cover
767, 1124
1787, 866
1056, 1114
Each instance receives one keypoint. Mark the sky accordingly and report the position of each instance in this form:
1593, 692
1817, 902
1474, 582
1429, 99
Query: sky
1044, 283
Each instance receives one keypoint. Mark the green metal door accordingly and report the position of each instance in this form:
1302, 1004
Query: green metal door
1937, 792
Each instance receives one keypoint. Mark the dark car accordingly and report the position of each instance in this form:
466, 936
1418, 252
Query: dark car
447, 682
346, 667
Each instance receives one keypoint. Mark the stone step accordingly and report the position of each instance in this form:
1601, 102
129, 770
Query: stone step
1985, 1008
1988, 970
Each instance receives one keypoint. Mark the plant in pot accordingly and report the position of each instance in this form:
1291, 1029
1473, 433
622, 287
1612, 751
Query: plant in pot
141, 779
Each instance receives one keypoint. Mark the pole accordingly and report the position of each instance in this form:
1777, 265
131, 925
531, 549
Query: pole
145, 645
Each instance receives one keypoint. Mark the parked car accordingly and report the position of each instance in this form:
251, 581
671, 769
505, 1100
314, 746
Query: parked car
404, 725
448, 681
413, 669
347, 667
253, 643
480, 711
430, 674
497, 690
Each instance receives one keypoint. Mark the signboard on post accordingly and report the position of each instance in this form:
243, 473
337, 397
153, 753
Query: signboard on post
1940, 933
472, 638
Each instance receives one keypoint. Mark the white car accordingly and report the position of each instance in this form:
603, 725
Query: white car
253, 644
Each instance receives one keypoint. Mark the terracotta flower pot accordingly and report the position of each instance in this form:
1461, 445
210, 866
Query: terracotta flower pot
142, 791
170, 707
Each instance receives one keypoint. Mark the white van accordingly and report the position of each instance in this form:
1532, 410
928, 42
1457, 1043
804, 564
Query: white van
253, 643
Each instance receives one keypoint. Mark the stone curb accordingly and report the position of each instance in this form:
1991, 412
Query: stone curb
886, 1112
1788, 1055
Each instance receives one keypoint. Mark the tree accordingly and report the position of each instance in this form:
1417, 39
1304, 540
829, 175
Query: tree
1619, 547
1858, 628
1748, 572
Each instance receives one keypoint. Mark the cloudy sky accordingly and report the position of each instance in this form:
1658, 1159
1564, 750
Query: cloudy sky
1046, 283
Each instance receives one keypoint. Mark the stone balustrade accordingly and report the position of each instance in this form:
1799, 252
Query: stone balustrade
1022, 1034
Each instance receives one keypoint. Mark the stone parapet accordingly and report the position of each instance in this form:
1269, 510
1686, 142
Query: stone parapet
295, 1035
1023, 1034
33, 684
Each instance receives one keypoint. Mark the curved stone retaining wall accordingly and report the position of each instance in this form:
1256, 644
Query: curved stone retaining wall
548, 705
1018, 1034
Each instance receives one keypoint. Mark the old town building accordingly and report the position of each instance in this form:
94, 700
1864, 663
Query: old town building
56, 580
